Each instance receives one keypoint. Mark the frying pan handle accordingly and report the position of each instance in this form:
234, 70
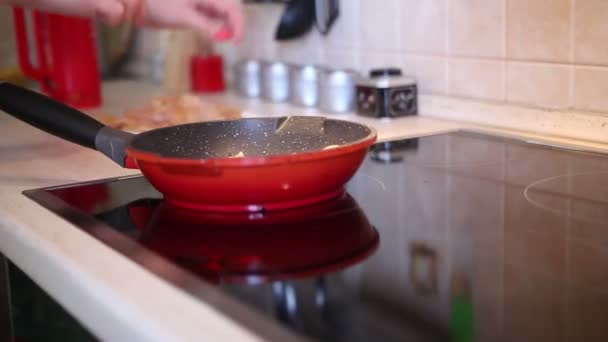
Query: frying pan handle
63, 121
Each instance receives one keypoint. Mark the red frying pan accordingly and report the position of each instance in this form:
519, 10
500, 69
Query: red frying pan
288, 161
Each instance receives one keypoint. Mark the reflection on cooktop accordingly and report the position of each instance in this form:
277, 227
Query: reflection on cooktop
256, 248
456, 236
585, 193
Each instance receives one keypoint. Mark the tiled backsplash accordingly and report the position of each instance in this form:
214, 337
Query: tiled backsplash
550, 54
8, 58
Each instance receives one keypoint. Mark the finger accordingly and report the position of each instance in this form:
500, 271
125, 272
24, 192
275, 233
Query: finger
132, 8
140, 16
203, 25
223, 34
232, 13
237, 21
109, 11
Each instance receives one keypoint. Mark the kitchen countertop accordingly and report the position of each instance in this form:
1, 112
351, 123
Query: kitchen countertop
112, 296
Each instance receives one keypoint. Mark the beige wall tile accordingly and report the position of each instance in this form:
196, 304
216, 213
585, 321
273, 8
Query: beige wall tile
477, 28
591, 32
341, 59
374, 59
305, 50
379, 24
542, 85
590, 86
261, 23
249, 49
539, 30
476, 79
430, 73
258, 40
423, 25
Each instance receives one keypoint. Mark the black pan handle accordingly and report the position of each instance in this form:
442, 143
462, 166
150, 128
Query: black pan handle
63, 121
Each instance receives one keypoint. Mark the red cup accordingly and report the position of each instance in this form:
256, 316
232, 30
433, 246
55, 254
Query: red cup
207, 74
66, 50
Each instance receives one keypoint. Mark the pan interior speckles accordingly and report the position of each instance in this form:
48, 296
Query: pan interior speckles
249, 137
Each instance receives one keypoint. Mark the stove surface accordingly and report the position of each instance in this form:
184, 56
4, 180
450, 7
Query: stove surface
457, 236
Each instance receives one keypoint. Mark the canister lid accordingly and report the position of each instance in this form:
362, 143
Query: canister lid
277, 68
386, 78
385, 72
340, 77
250, 65
309, 72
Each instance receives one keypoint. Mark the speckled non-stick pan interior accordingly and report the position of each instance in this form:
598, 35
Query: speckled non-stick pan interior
249, 137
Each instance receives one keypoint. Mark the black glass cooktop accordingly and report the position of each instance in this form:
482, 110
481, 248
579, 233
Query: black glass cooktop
459, 236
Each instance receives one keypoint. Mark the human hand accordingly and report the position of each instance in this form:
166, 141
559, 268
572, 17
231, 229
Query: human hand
220, 19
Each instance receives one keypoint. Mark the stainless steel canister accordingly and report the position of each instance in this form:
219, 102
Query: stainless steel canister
275, 81
248, 77
305, 85
338, 90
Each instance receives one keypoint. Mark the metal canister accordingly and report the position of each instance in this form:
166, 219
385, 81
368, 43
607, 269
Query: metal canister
275, 81
248, 77
305, 85
337, 92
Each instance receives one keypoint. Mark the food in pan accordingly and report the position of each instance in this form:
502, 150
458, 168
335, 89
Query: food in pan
330, 147
163, 111
218, 185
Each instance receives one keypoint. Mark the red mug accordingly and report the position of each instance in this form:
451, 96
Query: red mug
207, 74
68, 66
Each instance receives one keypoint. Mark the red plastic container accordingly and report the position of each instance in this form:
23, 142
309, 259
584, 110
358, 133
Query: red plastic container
66, 51
207, 74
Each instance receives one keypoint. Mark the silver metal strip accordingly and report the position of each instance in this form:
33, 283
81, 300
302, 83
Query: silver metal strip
6, 321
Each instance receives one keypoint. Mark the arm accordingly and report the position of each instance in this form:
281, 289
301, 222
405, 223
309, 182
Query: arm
222, 19
110, 8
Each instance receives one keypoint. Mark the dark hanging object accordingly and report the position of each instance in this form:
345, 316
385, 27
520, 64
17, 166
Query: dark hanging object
297, 19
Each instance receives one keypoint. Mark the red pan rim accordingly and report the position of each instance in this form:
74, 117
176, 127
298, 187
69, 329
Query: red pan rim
353, 146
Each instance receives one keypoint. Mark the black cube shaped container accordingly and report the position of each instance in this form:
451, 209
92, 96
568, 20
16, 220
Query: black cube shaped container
387, 94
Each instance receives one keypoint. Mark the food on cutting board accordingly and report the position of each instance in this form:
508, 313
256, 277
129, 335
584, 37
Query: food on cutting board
163, 111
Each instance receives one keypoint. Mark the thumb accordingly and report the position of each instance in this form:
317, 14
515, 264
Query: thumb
204, 25
110, 11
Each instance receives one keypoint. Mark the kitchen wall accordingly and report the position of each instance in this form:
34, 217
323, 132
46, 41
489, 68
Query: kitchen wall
550, 55
8, 58
533, 65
